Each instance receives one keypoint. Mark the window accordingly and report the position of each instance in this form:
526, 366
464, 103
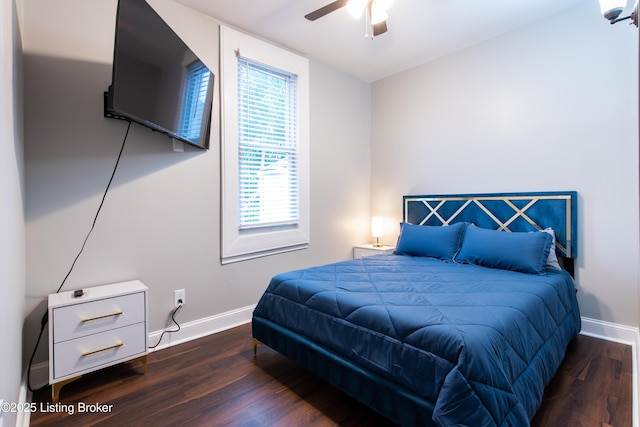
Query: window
267, 145
194, 101
265, 165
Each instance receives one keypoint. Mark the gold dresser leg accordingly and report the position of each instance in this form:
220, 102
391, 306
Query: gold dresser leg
55, 388
144, 364
141, 359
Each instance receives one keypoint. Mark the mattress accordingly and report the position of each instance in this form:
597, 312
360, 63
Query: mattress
479, 343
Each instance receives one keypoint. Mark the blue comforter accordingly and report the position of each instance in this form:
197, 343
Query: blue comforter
479, 343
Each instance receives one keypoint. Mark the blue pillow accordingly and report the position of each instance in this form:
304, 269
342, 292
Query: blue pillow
442, 242
524, 252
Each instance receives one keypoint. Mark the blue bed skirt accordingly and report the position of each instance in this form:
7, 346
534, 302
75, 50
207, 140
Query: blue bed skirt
389, 399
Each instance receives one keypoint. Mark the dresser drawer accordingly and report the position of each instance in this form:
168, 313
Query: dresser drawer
83, 319
80, 355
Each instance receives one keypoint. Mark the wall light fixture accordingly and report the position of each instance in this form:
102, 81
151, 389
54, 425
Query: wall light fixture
612, 9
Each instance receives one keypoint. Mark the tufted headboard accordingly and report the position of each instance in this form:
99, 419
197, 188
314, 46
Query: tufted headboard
503, 211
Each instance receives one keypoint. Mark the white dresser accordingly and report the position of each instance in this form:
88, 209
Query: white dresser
105, 326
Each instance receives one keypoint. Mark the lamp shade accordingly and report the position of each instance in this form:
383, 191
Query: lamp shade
377, 226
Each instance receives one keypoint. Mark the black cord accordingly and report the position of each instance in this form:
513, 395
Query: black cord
167, 331
99, 208
43, 324
45, 317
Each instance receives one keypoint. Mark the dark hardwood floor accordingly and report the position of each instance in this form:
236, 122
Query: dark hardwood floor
215, 381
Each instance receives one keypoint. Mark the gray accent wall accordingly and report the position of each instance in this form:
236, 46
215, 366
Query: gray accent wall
161, 219
550, 106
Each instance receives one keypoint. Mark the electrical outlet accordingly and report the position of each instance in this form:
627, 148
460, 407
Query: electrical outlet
178, 296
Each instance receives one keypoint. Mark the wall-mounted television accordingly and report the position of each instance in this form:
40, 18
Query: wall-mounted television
157, 80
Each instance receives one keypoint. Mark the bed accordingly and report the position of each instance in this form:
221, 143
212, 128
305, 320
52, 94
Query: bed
465, 324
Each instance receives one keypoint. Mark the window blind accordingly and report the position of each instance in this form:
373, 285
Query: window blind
267, 145
193, 101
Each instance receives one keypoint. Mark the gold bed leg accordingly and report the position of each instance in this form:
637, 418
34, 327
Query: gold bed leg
255, 347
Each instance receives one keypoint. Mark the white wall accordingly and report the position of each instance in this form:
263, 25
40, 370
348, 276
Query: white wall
12, 248
551, 106
161, 219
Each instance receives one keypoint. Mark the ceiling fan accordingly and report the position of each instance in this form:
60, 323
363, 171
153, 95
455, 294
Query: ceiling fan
375, 16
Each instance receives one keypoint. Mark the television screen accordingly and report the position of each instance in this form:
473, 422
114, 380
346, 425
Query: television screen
157, 80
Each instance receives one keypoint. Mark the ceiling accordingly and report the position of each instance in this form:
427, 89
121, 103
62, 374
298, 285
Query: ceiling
419, 30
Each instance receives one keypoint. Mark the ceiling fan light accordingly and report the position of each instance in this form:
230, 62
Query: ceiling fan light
384, 4
356, 7
378, 15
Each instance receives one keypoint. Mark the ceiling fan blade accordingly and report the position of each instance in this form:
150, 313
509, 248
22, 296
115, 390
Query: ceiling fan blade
379, 28
325, 10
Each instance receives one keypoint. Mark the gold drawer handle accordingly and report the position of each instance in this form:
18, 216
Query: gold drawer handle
117, 313
87, 353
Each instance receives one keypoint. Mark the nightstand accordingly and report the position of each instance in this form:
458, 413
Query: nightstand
361, 251
104, 326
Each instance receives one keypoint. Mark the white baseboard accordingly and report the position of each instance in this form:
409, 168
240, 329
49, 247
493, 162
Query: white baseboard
202, 327
623, 334
39, 376
610, 331
24, 397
